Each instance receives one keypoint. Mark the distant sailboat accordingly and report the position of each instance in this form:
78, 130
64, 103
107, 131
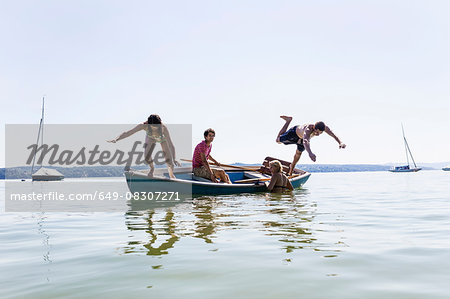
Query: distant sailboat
406, 168
44, 174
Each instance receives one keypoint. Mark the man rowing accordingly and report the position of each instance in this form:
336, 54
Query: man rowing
301, 136
200, 164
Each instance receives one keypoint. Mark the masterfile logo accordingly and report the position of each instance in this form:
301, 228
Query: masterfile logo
140, 149
88, 145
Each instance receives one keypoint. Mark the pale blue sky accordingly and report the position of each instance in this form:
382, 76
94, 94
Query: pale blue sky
362, 67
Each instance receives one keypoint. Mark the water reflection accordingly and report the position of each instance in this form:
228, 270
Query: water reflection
155, 229
206, 224
41, 217
289, 218
292, 221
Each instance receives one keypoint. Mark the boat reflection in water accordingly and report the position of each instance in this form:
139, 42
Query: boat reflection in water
290, 223
288, 219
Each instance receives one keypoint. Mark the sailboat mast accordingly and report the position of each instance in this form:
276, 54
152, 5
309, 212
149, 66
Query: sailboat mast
409, 150
406, 145
42, 117
39, 135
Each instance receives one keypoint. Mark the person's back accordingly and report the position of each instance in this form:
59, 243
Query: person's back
282, 183
279, 181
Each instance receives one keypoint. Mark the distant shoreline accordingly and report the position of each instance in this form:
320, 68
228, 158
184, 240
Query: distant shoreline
117, 171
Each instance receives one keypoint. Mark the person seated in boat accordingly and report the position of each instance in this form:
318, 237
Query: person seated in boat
301, 136
156, 132
200, 164
279, 181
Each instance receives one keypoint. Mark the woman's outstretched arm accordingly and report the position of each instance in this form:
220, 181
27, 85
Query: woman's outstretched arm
128, 133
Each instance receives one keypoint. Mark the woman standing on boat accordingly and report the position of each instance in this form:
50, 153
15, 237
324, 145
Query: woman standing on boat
156, 132
279, 181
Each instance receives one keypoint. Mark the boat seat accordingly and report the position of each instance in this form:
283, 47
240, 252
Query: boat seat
200, 179
266, 169
254, 175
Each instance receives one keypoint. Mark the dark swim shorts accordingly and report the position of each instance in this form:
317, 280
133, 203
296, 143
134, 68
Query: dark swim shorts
291, 137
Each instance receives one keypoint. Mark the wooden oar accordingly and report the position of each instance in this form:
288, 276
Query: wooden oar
230, 166
263, 180
252, 180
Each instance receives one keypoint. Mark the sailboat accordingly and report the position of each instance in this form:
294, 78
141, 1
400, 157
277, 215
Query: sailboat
44, 174
406, 168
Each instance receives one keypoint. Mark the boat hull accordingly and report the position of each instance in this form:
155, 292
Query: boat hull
405, 170
184, 184
47, 178
47, 174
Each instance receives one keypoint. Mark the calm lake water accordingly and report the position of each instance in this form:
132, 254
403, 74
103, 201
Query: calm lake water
345, 235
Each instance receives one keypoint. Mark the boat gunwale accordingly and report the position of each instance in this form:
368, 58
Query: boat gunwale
406, 170
129, 174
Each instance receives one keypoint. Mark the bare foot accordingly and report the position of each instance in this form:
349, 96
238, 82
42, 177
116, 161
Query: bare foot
286, 118
171, 175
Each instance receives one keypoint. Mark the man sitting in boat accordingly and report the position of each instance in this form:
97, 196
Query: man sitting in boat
279, 181
200, 164
301, 136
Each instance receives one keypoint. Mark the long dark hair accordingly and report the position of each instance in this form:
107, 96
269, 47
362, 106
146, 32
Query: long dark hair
154, 119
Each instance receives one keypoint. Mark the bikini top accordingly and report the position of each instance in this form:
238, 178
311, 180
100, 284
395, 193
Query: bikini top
155, 138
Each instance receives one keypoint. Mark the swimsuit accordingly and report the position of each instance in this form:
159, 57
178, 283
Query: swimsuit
283, 187
291, 137
158, 138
